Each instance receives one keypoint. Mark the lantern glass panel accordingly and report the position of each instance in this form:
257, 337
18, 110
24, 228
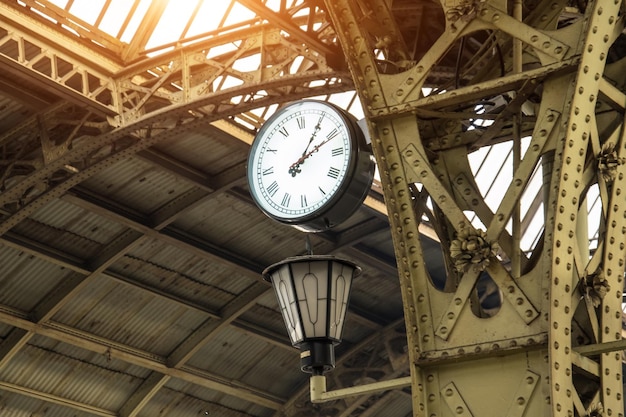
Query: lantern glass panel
283, 287
311, 283
340, 294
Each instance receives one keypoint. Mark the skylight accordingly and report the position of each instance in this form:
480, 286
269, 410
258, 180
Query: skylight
149, 24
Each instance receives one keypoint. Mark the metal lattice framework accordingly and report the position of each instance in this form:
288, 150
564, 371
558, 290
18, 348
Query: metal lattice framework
113, 111
550, 347
541, 353
130, 110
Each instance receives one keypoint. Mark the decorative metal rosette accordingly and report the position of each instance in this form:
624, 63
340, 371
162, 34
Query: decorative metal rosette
608, 161
596, 286
471, 249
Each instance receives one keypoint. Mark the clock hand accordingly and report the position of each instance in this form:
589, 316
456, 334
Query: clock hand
295, 167
317, 128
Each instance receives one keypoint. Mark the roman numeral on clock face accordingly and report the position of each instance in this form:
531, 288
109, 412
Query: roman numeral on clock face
333, 173
302, 163
337, 151
273, 187
286, 200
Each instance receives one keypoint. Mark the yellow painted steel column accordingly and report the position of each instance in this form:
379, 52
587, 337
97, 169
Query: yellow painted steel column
518, 359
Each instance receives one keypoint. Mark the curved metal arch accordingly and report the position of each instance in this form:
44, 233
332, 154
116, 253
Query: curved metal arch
195, 68
154, 95
191, 72
105, 149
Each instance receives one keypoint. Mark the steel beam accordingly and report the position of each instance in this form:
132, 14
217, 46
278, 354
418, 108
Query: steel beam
522, 352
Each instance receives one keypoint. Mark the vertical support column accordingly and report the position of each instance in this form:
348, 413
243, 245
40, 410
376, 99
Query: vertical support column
519, 360
398, 196
598, 30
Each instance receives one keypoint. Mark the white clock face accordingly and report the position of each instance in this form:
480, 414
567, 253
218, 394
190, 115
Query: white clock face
300, 160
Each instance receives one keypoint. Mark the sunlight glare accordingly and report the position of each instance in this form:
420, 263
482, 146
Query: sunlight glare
250, 63
171, 25
59, 3
273, 4
238, 14
208, 18
129, 32
87, 10
115, 16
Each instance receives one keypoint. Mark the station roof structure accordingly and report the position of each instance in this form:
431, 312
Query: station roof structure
130, 277
130, 250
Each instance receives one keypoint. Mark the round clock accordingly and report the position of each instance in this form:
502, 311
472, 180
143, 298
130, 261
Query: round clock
309, 166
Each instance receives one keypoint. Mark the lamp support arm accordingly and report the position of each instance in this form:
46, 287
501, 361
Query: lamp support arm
320, 395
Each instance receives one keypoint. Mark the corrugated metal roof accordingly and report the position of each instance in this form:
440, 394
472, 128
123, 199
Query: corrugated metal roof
67, 377
170, 268
138, 184
15, 403
130, 316
61, 215
180, 402
233, 223
25, 279
213, 150
102, 285
259, 364
60, 239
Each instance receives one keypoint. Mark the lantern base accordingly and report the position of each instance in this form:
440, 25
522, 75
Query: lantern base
317, 357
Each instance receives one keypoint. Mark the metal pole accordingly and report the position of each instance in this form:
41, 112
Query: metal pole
320, 395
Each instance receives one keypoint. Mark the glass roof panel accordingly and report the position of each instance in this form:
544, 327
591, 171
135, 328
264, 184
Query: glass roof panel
180, 20
209, 17
135, 20
87, 10
60, 3
172, 25
237, 14
116, 15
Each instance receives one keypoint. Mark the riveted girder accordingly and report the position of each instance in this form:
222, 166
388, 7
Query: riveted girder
543, 77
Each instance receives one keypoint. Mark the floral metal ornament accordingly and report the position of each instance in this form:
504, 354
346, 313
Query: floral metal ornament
596, 286
595, 410
471, 249
465, 10
608, 161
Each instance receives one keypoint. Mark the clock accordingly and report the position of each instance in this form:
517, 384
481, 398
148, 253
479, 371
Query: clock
310, 166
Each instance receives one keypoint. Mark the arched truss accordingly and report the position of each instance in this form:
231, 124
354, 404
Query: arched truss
124, 111
112, 113
554, 80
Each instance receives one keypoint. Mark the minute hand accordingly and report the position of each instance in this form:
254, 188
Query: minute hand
311, 152
317, 128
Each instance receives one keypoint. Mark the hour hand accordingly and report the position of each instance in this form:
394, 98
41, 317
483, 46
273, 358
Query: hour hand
295, 169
